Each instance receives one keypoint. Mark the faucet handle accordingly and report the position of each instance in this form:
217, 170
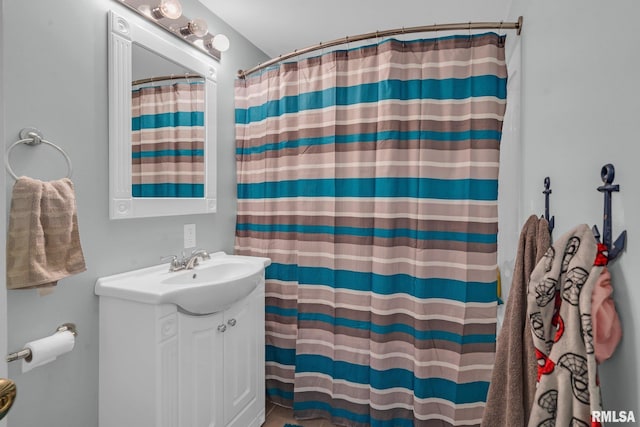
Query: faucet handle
202, 252
175, 263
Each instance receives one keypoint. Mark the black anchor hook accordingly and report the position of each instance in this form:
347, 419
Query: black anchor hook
546, 192
607, 174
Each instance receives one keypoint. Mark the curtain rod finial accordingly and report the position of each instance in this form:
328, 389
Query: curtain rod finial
520, 22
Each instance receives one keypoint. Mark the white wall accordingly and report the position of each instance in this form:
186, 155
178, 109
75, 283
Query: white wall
55, 78
580, 111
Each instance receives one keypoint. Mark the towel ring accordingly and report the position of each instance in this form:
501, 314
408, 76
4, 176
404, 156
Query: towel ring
32, 136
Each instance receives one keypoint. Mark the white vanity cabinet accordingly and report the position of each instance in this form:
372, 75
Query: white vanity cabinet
161, 367
220, 382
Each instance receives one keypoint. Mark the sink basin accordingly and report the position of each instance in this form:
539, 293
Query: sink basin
211, 286
216, 272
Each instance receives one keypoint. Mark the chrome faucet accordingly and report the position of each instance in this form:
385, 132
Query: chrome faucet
192, 260
175, 264
186, 263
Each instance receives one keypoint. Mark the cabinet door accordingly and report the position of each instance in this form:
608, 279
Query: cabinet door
240, 353
201, 367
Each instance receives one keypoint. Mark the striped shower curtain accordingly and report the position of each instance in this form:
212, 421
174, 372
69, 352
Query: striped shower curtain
369, 177
168, 140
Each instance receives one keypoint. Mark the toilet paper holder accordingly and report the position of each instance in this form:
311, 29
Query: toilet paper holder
25, 353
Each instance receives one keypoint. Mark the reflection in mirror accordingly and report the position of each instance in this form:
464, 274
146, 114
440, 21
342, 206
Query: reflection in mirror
161, 123
167, 128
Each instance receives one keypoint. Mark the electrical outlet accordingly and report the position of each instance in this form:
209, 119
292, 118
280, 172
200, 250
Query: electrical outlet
189, 236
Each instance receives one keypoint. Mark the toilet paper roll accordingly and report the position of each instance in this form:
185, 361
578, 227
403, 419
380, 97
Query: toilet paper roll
46, 350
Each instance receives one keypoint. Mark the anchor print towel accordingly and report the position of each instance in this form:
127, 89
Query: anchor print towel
559, 310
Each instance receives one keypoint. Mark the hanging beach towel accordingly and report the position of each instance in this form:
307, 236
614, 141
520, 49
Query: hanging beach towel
559, 310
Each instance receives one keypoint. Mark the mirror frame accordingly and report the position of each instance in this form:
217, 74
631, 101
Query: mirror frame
123, 32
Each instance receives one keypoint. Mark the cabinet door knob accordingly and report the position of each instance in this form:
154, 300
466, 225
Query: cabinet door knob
232, 322
222, 328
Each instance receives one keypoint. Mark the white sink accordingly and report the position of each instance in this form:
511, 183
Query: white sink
211, 286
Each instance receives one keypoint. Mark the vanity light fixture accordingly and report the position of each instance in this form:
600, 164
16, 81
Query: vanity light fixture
171, 9
197, 27
167, 14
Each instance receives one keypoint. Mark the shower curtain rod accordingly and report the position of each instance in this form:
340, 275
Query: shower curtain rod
163, 78
386, 33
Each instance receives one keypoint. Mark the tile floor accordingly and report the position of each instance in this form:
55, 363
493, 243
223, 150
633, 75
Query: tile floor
277, 416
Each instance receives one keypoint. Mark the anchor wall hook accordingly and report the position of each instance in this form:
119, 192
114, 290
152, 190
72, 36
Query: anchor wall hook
607, 174
546, 192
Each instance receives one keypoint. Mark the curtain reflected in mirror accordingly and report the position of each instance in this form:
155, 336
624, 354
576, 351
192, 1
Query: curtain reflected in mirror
168, 137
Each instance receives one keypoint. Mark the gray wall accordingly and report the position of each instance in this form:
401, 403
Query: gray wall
55, 70
580, 111
3, 301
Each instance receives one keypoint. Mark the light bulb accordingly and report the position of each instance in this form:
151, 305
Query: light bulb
197, 27
220, 42
171, 9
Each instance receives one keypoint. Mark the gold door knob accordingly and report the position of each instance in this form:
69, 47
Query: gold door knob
7, 396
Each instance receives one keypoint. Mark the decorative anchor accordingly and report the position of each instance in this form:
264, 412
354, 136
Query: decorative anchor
546, 192
607, 174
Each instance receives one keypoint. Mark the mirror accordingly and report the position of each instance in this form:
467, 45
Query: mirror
162, 127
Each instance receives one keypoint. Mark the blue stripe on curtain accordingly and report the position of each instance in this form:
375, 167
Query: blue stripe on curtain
162, 153
284, 355
275, 391
167, 189
426, 188
475, 86
442, 288
163, 120
375, 232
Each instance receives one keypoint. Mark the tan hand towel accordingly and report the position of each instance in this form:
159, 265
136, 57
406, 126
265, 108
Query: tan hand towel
43, 244
513, 382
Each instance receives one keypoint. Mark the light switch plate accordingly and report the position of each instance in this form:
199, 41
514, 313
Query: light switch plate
189, 236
